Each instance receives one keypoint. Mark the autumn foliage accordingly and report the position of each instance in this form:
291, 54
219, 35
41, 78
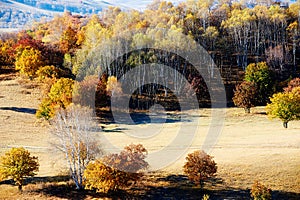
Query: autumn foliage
260, 192
59, 96
245, 95
199, 167
18, 164
49, 72
285, 106
292, 84
116, 171
29, 61
260, 74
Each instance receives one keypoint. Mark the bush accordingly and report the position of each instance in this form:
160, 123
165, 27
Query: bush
49, 72
59, 96
292, 84
245, 95
116, 171
260, 192
17, 164
205, 197
285, 106
104, 178
29, 61
199, 167
131, 159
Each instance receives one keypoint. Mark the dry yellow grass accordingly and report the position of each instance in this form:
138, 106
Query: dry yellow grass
250, 147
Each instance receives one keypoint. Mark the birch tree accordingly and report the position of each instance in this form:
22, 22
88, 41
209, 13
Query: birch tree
73, 130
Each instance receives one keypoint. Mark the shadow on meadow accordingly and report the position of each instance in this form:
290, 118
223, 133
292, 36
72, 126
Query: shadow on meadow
154, 187
181, 188
22, 110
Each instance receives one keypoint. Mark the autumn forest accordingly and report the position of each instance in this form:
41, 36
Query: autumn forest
249, 56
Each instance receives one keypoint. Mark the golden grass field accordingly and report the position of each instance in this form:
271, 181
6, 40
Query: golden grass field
250, 147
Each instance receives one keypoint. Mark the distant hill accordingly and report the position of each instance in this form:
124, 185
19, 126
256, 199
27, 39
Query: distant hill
17, 14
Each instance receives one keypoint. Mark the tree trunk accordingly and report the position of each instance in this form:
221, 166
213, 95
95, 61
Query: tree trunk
201, 183
20, 188
285, 124
247, 110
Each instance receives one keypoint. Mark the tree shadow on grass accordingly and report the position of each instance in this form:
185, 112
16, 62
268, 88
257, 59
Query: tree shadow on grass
113, 130
191, 193
179, 187
37, 179
63, 187
23, 110
69, 191
141, 117
261, 113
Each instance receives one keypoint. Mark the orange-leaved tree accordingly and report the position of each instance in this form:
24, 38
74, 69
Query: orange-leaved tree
199, 167
116, 171
245, 95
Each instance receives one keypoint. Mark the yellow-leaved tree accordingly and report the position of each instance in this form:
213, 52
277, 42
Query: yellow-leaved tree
59, 96
29, 61
18, 164
117, 171
285, 106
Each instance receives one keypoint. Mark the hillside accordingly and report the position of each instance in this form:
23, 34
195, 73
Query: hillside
21, 13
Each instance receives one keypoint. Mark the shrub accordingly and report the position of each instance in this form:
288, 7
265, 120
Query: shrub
116, 171
61, 91
199, 167
260, 192
292, 84
131, 159
285, 106
46, 109
261, 75
205, 197
245, 95
104, 178
59, 96
29, 61
17, 164
49, 72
